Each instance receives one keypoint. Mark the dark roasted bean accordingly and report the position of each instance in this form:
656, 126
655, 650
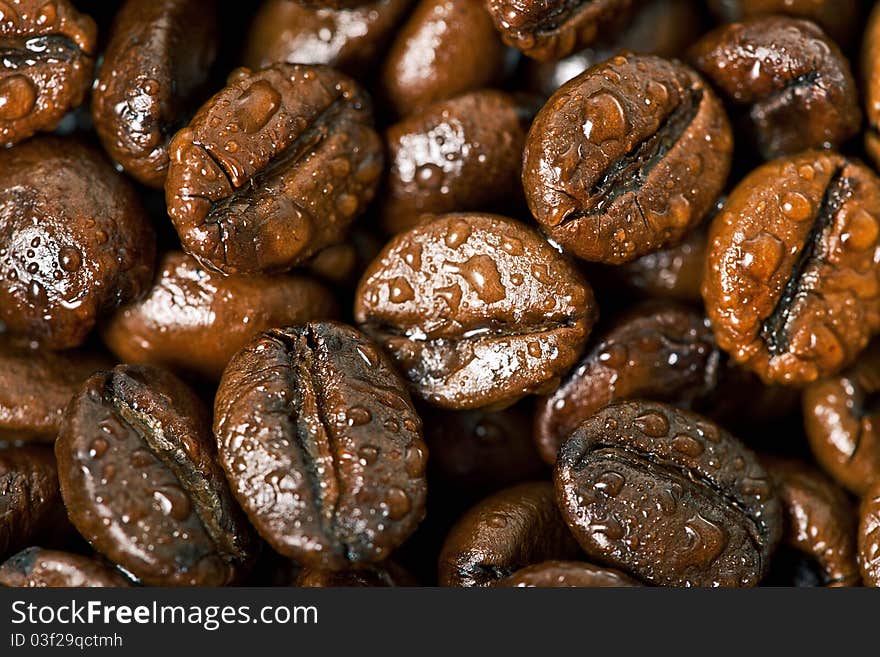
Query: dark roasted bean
512, 529
273, 168
477, 310
322, 445
567, 574
157, 63
38, 567
869, 536
29, 496
792, 283
141, 482
837, 17
626, 158
669, 497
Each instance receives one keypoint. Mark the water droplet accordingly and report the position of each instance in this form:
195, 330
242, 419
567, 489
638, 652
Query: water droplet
429, 177
541, 273
667, 502
108, 473
101, 237
457, 233
391, 425
614, 356
18, 95
414, 460
481, 273
172, 501
368, 454
398, 503
687, 445
860, 230
652, 423
796, 206
37, 293
256, 106
605, 118
142, 458
703, 542
47, 15
98, 448
70, 258
451, 295
657, 92
151, 87
347, 204
400, 291
368, 355
534, 349
497, 520
358, 415
412, 255
610, 528
512, 245
610, 483
761, 256
32, 268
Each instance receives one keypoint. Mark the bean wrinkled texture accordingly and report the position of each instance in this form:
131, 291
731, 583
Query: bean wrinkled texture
461, 293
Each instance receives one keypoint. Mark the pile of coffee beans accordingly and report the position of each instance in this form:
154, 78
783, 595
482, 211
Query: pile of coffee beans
614, 265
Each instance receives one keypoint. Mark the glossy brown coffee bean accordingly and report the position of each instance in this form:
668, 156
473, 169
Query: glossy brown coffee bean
322, 445
37, 567
386, 574
478, 452
551, 29
350, 40
675, 272
837, 17
442, 158
47, 54
29, 496
792, 284
273, 168
444, 49
477, 310
626, 158
512, 529
842, 420
791, 81
668, 496
141, 482
661, 352
35, 387
156, 64
193, 320
74, 241
870, 89
819, 521
869, 536
555, 574
659, 27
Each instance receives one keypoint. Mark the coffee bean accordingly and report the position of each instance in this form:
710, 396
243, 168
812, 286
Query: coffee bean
793, 84
193, 320
819, 520
39, 567
141, 482
566, 574
792, 280
477, 310
36, 385
512, 529
626, 158
869, 537
444, 49
273, 168
663, 352
842, 419
322, 446
552, 29
30, 497
47, 54
837, 17
350, 40
387, 574
871, 85
157, 63
669, 497
74, 241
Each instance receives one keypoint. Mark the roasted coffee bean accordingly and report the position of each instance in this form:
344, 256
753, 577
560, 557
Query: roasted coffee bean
869, 537
74, 241
512, 529
662, 352
351, 40
791, 81
141, 482
626, 158
273, 168
819, 521
675, 272
46, 59
322, 445
792, 283
386, 574
566, 574
156, 64
668, 496
871, 84
660, 27
39, 567
842, 419
35, 387
445, 48
477, 310
551, 29
440, 159
194, 320
837, 17
479, 452
29, 496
